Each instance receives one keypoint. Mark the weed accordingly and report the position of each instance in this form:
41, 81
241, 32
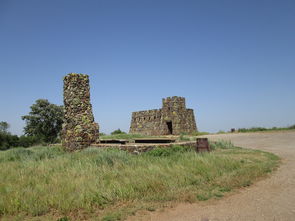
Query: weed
203, 196
222, 144
182, 137
112, 217
200, 133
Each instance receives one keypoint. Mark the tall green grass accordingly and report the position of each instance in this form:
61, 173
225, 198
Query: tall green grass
111, 183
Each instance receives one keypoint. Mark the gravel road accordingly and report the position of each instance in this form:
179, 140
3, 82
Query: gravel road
271, 199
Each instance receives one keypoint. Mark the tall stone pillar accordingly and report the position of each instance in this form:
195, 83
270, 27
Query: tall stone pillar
79, 129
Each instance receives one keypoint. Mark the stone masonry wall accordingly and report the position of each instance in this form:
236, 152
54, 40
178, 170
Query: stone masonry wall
141, 148
173, 118
146, 122
79, 129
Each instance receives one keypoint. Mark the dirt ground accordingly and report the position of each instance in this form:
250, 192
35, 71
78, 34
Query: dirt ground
271, 199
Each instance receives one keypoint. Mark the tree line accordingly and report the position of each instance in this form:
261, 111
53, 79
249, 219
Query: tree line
43, 126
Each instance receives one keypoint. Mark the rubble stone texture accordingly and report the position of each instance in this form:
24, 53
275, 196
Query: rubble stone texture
79, 129
172, 119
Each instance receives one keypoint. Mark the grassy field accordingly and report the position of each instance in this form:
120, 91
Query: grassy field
95, 184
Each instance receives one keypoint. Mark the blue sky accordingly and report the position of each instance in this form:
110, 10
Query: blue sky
233, 61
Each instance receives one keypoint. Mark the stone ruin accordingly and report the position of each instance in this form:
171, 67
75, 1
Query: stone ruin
79, 129
172, 119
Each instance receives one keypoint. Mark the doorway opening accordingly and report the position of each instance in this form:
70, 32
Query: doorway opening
170, 129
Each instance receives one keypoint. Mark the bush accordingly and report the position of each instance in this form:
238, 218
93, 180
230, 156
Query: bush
27, 141
182, 137
7, 141
3, 141
117, 132
252, 129
13, 140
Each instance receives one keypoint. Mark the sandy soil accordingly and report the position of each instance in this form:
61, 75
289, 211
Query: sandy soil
271, 199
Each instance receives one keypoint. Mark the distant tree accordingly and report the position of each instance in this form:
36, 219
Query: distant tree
44, 121
118, 132
7, 140
4, 127
4, 135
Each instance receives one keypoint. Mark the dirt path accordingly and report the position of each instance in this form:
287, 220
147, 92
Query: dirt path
272, 199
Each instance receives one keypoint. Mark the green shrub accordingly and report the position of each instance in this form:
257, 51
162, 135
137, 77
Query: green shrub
118, 131
252, 129
182, 137
112, 217
28, 141
7, 141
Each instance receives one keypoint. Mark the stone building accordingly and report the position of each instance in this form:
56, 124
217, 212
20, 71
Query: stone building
79, 129
172, 119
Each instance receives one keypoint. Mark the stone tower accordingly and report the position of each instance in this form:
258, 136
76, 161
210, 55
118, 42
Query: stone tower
177, 118
172, 119
79, 129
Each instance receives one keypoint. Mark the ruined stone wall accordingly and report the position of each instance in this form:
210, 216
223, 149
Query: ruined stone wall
79, 129
141, 148
146, 122
173, 118
190, 123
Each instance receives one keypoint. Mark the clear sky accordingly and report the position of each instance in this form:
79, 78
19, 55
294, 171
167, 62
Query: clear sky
233, 60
